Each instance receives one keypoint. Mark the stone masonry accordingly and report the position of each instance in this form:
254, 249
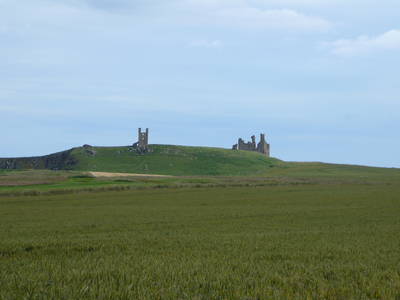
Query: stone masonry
142, 145
262, 147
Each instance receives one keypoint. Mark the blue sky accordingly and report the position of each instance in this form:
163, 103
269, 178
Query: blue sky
320, 77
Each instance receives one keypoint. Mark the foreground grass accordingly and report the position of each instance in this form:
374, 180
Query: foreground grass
336, 241
42, 182
45, 182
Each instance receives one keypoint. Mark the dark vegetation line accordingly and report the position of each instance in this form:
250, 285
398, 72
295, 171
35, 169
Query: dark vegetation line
150, 186
116, 188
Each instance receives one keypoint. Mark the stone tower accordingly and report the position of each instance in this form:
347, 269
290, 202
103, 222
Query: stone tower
142, 145
263, 146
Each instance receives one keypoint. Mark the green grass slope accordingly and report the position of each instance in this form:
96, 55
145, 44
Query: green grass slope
172, 160
194, 161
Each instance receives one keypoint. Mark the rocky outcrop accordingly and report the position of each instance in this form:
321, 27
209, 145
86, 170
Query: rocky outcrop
89, 150
57, 161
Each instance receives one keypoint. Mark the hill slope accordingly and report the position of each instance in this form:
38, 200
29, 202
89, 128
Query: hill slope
164, 159
193, 161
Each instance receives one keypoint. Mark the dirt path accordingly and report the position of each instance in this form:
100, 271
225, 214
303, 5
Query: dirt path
107, 174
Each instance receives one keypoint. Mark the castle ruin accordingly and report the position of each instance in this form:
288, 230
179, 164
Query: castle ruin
262, 147
142, 145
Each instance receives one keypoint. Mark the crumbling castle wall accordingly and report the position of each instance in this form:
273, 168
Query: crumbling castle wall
262, 147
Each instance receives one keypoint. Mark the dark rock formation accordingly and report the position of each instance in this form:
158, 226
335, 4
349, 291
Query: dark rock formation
57, 161
89, 150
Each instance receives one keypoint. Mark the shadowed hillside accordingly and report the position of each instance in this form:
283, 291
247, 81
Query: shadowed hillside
57, 161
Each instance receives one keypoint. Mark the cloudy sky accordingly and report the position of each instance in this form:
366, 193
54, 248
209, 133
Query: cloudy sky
320, 77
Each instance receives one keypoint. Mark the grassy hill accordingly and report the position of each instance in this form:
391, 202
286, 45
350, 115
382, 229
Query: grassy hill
163, 159
193, 161
173, 160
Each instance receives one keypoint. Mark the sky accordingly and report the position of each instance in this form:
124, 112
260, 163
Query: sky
319, 77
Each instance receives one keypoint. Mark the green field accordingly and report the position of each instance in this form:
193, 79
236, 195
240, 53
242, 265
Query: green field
299, 231
226, 225
266, 172
302, 242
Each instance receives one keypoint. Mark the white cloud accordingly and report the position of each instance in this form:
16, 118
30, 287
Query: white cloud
254, 14
299, 2
206, 44
250, 14
221, 3
365, 44
272, 19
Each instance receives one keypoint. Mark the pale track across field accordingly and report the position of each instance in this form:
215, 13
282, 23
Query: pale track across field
108, 174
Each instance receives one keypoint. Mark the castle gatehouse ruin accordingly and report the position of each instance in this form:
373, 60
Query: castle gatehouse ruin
142, 145
262, 147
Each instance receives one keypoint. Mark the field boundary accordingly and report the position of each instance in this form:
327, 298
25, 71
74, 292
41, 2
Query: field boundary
116, 188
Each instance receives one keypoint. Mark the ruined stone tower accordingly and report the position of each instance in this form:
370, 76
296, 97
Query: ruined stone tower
262, 147
142, 145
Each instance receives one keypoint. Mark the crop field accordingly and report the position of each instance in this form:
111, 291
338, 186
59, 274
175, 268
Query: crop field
323, 232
